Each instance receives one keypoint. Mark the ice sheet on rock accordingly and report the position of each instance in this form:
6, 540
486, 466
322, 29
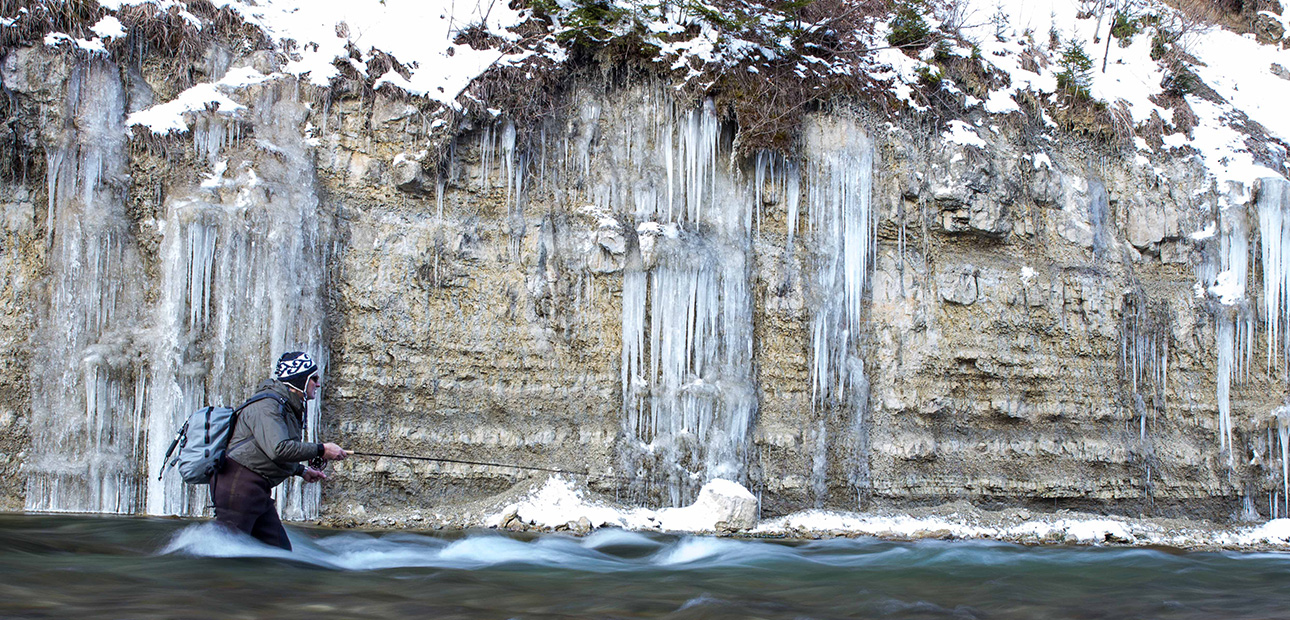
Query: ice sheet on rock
91, 335
688, 393
221, 316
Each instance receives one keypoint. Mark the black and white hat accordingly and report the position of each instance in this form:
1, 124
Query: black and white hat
294, 369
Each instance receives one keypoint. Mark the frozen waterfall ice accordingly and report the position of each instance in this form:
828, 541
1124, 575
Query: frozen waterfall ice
241, 273
688, 392
89, 381
689, 397
1234, 323
1274, 236
843, 236
242, 281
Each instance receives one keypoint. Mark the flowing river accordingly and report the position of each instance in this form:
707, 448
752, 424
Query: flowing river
119, 567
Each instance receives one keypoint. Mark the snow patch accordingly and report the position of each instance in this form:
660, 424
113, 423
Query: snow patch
1229, 287
963, 134
170, 116
94, 46
109, 27
559, 502
1205, 233
1276, 531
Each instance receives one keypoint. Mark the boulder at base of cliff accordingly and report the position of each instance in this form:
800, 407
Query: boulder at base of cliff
723, 506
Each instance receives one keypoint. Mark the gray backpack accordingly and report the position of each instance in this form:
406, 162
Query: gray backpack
203, 441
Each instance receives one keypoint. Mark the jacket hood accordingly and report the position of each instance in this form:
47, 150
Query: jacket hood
295, 399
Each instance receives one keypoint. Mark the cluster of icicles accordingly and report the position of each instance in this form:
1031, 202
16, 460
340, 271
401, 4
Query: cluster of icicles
662, 180
240, 278
1227, 273
689, 399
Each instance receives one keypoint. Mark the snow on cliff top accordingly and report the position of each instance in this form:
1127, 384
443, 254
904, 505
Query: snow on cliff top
418, 33
319, 34
1237, 67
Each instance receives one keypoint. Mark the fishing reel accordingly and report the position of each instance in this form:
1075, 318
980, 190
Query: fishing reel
318, 463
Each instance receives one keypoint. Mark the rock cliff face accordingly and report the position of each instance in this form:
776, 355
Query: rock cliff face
890, 317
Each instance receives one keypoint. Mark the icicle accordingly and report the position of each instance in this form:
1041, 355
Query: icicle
1225, 360
793, 196
845, 236
87, 357
668, 153
820, 464
763, 161
1274, 236
689, 311
438, 198
1282, 415
634, 299
509, 170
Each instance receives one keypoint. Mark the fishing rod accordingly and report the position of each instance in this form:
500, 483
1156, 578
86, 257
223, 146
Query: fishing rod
487, 464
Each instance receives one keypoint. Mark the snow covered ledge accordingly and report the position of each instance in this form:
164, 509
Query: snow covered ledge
722, 507
726, 508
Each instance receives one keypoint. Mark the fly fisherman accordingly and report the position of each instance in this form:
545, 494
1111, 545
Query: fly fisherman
266, 448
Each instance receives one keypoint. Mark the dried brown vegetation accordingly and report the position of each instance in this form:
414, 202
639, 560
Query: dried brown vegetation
33, 20
769, 97
149, 29
1236, 15
528, 94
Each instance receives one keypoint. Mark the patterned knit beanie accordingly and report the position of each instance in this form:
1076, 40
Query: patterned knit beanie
294, 369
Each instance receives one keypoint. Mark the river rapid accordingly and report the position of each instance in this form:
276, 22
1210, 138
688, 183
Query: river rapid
119, 567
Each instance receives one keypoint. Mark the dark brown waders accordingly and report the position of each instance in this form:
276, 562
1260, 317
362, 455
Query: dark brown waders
243, 502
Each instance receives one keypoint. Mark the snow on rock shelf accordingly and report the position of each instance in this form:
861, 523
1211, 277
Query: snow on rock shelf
722, 506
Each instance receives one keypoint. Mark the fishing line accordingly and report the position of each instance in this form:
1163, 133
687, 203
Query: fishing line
487, 464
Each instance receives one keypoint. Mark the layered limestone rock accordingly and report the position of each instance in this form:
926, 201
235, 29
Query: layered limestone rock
888, 317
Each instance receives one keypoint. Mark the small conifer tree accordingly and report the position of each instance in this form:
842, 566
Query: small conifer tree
908, 30
1077, 70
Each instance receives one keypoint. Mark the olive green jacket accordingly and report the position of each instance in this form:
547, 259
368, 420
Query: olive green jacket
268, 437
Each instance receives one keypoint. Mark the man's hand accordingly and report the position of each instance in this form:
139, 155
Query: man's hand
333, 452
313, 475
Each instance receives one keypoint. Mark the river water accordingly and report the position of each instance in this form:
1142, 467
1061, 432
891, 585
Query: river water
121, 567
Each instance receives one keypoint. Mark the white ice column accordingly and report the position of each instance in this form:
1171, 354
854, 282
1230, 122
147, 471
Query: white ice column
841, 239
1274, 241
243, 274
88, 376
688, 394
843, 234
1235, 324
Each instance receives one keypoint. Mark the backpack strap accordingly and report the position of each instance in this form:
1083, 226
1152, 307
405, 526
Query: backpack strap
282, 402
165, 460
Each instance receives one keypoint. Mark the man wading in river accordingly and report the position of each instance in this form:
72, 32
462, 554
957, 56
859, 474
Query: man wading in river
266, 448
